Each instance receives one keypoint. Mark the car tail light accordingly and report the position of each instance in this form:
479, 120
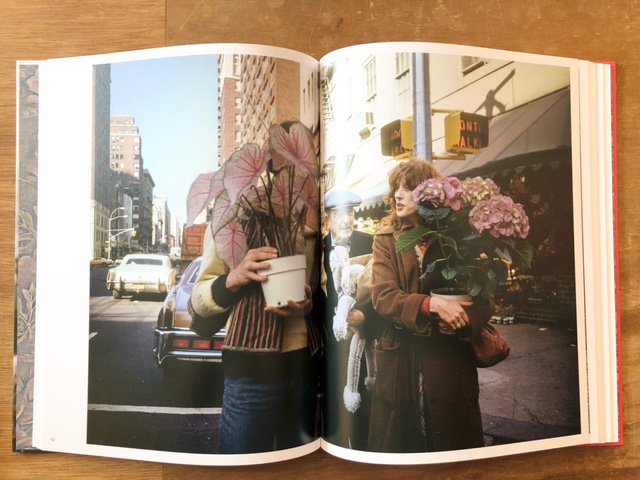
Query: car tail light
202, 344
217, 344
180, 343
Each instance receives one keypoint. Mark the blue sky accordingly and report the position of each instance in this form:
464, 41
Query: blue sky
174, 103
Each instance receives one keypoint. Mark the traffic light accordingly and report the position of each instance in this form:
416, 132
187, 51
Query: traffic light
133, 233
396, 138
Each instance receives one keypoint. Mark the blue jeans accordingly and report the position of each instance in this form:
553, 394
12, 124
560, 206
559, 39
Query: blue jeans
261, 415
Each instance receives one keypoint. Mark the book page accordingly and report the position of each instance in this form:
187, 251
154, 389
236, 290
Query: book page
521, 126
127, 144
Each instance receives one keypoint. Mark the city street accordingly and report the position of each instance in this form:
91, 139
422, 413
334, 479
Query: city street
533, 394
132, 401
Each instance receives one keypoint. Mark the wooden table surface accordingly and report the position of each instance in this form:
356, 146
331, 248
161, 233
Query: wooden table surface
593, 30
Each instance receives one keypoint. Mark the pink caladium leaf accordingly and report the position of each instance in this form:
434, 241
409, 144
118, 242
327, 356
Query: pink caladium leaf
295, 147
199, 195
243, 169
256, 200
231, 244
281, 194
223, 212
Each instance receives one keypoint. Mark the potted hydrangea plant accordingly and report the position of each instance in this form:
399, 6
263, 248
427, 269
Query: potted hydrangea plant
479, 233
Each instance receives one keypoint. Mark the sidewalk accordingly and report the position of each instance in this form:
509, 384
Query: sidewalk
533, 394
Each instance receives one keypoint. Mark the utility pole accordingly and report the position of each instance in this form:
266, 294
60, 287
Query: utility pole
422, 138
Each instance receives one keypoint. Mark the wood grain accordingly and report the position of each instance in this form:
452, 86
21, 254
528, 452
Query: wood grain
606, 30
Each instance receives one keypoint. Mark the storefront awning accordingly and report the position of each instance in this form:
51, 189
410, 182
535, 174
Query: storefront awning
543, 125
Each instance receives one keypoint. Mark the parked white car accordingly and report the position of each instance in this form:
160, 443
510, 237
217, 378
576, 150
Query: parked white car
141, 273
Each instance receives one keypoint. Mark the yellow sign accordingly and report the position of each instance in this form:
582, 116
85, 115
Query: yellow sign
466, 132
396, 138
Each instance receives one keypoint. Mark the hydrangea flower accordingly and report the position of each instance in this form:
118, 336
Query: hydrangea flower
441, 192
501, 217
477, 189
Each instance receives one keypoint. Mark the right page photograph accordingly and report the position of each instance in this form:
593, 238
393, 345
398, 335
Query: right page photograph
462, 308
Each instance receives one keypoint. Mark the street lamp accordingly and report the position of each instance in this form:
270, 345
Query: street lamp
111, 219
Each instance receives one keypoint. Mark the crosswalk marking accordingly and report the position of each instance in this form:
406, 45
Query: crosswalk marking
101, 407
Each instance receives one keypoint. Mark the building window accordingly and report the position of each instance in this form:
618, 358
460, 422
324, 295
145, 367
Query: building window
237, 102
403, 61
403, 79
370, 73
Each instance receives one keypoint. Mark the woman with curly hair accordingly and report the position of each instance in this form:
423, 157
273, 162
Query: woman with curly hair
426, 392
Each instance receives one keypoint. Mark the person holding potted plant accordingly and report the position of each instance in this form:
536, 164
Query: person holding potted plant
265, 208
426, 392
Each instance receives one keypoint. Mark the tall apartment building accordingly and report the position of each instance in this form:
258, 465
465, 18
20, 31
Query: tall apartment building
132, 179
103, 199
257, 92
230, 99
126, 146
161, 220
267, 85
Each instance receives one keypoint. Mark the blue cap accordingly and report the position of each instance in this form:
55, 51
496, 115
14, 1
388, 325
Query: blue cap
339, 198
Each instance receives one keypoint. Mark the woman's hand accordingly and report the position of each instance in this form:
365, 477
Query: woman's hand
248, 270
294, 309
451, 312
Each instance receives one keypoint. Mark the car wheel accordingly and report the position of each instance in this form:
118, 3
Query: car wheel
117, 294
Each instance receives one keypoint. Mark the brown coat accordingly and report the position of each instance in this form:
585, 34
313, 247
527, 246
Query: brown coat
412, 339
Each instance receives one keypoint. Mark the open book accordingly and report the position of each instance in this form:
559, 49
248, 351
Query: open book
117, 190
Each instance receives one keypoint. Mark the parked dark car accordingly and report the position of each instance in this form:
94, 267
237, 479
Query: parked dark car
173, 340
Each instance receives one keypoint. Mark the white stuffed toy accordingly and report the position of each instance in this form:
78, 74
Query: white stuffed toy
345, 278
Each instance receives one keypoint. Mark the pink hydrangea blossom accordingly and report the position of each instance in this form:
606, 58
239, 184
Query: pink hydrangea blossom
440, 192
501, 217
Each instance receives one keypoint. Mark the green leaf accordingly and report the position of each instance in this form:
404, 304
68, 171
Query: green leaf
474, 288
409, 239
431, 267
430, 215
449, 273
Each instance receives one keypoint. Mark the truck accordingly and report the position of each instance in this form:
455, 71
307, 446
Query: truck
192, 244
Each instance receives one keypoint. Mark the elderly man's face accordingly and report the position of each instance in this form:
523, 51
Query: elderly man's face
341, 224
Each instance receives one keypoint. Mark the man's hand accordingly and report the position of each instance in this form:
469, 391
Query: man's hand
294, 309
248, 270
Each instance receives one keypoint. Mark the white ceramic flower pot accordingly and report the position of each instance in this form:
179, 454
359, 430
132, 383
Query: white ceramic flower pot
286, 280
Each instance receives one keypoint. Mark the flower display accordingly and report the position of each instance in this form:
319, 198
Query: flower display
480, 233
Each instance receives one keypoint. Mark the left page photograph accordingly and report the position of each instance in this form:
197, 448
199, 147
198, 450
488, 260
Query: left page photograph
158, 185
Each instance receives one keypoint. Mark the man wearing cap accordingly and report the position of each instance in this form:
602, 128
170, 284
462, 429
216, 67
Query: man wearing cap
343, 428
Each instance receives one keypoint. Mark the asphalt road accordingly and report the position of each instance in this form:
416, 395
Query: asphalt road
133, 402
